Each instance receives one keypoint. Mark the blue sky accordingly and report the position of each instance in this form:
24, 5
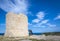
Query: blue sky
43, 15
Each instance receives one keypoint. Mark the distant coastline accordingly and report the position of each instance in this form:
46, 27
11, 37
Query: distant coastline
37, 33
46, 33
1, 33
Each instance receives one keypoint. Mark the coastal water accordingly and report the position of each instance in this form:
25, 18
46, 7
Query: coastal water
32, 33
37, 33
1, 33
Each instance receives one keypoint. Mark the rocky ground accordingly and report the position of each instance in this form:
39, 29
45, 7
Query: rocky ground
32, 38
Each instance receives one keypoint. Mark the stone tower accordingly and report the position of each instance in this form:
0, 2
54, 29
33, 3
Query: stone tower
16, 25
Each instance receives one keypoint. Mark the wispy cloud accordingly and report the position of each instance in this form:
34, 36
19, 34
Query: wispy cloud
39, 21
40, 15
50, 25
56, 18
44, 21
16, 6
35, 21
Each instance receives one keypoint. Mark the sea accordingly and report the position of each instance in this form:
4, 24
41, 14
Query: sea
32, 33
1, 33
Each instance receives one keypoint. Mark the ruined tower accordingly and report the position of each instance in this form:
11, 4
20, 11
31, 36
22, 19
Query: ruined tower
16, 25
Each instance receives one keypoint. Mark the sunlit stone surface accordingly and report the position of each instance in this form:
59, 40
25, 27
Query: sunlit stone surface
16, 25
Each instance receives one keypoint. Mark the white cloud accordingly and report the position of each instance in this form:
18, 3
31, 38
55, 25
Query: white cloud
51, 25
16, 6
44, 21
39, 23
35, 21
58, 17
40, 15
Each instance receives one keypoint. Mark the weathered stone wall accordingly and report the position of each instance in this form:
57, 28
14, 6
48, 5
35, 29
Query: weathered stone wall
16, 25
